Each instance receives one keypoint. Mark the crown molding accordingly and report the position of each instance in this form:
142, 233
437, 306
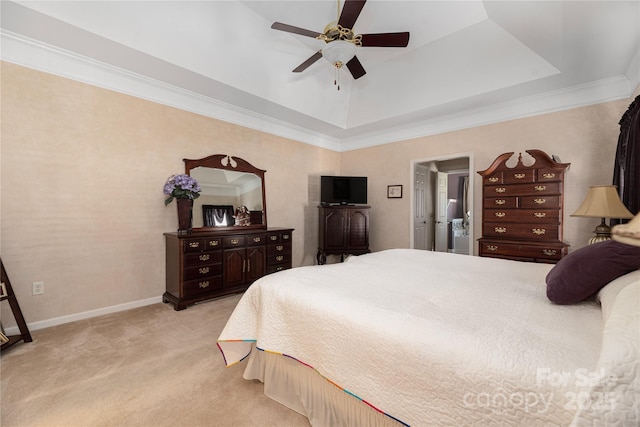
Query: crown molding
40, 56
606, 90
50, 59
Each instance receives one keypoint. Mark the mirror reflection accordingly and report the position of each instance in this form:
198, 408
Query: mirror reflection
224, 195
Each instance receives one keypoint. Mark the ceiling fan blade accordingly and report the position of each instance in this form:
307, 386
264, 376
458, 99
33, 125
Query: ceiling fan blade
350, 12
308, 62
295, 30
386, 39
356, 68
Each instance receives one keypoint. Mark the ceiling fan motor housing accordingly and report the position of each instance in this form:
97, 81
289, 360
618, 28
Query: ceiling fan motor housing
335, 31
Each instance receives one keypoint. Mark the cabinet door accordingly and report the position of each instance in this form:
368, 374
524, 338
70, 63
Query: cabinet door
335, 225
234, 267
256, 263
358, 229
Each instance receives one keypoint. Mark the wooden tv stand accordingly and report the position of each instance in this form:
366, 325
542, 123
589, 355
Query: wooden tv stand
344, 230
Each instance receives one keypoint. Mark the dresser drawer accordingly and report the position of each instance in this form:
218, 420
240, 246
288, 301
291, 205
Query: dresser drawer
277, 267
540, 202
234, 241
256, 239
204, 258
541, 252
278, 258
279, 248
203, 244
203, 271
521, 231
500, 202
533, 189
279, 237
496, 178
541, 216
549, 175
519, 177
193, 288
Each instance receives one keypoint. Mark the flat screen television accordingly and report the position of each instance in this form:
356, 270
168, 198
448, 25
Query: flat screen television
343, 190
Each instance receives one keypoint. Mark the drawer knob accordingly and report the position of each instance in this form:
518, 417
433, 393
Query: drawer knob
235, 241
493, 179
203, 270
549, 252
539, 214
500, 214
213, 243
540, 187
539, 201
279, 248
492, 248
204, 257
194, 244
519, 175
204, 284
273, 237
285, 237
257, 239
500, 189
279, 258
500, 229
548, 175
500, 202
538, 231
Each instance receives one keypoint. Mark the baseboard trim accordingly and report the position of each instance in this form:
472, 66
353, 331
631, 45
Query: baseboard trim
42, 324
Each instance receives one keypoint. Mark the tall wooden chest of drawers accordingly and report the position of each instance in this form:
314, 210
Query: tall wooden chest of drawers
205, 265
522, 209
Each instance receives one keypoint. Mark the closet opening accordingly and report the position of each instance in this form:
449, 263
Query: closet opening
442, 204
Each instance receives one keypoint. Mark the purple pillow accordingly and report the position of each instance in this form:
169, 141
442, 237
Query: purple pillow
584, 272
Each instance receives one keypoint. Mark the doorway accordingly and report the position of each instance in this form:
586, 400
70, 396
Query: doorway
442, 204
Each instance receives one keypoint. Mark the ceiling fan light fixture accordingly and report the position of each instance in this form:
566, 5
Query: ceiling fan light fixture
339, 52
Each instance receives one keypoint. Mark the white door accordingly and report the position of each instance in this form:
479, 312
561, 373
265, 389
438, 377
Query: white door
442, 199
420, 208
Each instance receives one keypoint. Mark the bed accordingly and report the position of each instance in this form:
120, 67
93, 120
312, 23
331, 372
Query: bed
408, 337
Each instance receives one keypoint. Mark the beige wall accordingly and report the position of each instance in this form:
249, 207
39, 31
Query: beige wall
82, 170
82, 176
585, 137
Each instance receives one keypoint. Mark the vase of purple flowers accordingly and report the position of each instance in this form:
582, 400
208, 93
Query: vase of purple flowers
184, 189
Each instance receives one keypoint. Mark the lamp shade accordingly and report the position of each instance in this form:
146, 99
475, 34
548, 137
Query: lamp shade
339, 52
602, 201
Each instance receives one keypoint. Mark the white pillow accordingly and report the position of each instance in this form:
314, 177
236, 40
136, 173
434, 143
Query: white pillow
607, 295
610, 398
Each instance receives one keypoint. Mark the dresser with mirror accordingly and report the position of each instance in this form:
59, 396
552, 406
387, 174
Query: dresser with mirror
221, 255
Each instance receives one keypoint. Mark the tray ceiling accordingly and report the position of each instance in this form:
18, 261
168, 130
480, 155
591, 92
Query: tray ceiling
467, 63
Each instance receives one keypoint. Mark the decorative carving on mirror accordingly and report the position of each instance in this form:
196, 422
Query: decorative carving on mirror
229, 185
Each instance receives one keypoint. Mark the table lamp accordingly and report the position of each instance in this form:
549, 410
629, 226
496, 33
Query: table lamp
602, 201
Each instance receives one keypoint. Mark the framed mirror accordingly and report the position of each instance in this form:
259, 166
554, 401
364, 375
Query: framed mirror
232, 196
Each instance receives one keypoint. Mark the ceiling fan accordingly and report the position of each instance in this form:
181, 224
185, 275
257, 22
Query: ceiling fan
341, 41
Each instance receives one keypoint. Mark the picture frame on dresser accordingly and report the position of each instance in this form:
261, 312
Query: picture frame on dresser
523, 209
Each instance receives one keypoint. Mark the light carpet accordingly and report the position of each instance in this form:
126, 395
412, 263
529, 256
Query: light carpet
151, 366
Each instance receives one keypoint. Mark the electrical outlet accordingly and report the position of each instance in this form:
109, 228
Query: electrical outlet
38, 288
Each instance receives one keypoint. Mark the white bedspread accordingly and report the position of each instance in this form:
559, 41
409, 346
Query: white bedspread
429, 338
